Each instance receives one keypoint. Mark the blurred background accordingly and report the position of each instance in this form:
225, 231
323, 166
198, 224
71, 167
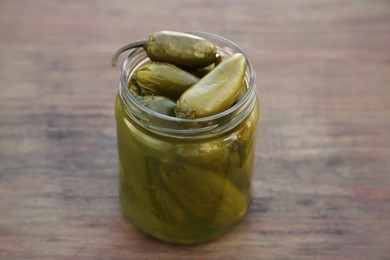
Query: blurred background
321, 187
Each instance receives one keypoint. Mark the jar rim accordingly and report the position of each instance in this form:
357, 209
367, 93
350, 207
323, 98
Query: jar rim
204, 122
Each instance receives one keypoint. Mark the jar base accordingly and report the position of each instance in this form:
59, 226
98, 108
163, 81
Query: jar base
142, 221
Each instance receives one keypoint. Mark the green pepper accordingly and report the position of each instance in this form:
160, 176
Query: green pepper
203, 71
181, 49
207, 195
212, 155
216, 91
164, 79
154, 204
135, 90
160, 104
138, 178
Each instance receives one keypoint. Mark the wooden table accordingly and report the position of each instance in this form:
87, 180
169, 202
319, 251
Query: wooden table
321, 187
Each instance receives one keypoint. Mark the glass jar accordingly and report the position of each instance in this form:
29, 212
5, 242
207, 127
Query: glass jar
185, 180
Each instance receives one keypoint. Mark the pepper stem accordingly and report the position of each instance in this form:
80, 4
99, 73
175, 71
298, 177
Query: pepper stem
127, 47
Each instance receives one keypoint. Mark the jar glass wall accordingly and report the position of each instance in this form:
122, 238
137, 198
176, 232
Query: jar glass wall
185, 180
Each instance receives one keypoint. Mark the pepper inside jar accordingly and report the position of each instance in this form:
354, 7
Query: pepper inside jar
186, 137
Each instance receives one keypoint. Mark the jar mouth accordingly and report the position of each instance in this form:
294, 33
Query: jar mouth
174, 126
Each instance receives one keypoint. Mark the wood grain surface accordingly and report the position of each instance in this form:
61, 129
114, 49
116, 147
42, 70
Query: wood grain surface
321, 187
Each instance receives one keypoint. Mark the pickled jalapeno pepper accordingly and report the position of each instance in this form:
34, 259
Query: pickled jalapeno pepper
216, 91
181, 49
185, 170
164, 78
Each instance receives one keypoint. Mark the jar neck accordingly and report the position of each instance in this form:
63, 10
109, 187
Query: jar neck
182, 128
